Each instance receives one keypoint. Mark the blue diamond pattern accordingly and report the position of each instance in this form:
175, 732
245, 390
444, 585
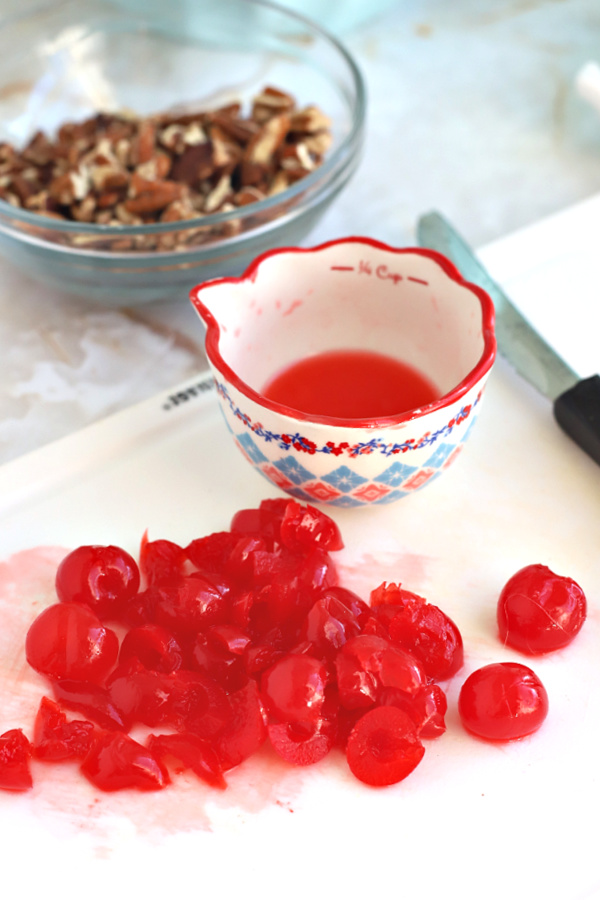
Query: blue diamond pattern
389, 498
344, 479
395, 474
293, 470
470, 428
256, 455
439, 456
299, 494
346, 502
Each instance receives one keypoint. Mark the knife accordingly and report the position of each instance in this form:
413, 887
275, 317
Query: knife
576, 401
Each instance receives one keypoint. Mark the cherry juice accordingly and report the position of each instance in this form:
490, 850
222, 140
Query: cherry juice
351, 384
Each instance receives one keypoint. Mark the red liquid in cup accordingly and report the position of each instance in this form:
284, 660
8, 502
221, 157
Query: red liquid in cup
351, 384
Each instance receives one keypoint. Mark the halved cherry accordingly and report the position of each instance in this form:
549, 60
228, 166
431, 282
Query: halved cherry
94, 701
210, 553
69, 641
383, 747
56, 739
105, 578
427, 708
266, 520
141, 694
246, 730
116, 762
141, 609
214, 657
294, 689
161, 561
197, 704
275, 605
240, 563
332, 620
190, 752
154, 646
304, 528
193, 604
367, 663
421, 628
317, 573
15, 752
296, 747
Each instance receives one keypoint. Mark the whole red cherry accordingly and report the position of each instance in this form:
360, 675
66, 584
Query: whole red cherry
503, 702
539, 611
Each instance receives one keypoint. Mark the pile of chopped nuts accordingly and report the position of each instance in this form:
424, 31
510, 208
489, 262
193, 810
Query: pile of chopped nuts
122, 169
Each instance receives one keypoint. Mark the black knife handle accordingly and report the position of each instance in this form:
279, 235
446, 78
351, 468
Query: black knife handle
577, 411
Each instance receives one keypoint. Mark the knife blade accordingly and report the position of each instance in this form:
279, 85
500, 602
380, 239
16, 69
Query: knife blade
575, 401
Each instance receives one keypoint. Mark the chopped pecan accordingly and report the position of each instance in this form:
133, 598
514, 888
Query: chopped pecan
62, 189
150, 196
123, 151
309, 120
194, 165
295, 157
226, 154
280, 182
172, 137
84, 211
261, 149
270, 102
241, 130
23, 187
108, 199
254, 175
248, 195
221, 192
124, 216
39, 150
9, 197
41, 203
144, 143
118, 169
155, 168
179, 210
318, 144
108, 177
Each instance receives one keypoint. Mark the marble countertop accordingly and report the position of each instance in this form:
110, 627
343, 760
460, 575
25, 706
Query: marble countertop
473, 110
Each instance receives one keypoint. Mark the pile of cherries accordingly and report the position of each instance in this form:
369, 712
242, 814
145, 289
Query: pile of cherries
245, 636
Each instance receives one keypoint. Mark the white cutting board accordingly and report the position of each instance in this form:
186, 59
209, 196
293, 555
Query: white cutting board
480, 820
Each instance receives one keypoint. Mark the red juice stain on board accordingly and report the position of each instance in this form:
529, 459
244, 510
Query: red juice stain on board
351, 384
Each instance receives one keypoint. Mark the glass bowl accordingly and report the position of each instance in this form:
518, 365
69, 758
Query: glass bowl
87, 56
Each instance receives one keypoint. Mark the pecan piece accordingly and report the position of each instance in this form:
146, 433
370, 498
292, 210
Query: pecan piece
219, 194
226, 153
84, 211
194, 165
62, 189
263, 145
144, 143
39, 150
309, 120
108, 177
248, 195
270, 102
156, 168
179, 210
151, 196
241, 130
